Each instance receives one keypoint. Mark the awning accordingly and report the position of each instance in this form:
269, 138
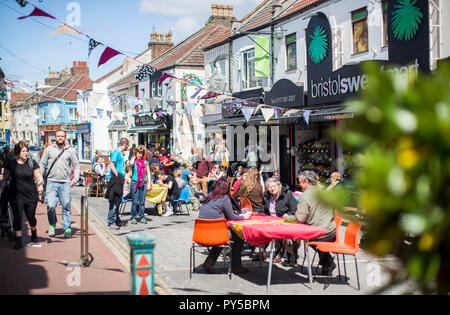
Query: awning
145, 129
117, 125
323, 114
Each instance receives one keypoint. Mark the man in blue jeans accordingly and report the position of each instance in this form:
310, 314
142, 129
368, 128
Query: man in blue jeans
115, 186
56, 163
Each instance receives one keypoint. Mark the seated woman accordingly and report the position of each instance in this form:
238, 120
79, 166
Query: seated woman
251, 188
278, 201
217, 205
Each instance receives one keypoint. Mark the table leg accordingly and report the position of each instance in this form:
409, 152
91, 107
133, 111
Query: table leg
272, 250
309, 263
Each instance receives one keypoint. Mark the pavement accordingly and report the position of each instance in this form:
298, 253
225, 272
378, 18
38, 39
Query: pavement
53, 267
53, 264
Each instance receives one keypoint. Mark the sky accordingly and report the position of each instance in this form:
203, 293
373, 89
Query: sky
27, 51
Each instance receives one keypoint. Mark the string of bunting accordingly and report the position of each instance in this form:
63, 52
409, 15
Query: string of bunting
147, 70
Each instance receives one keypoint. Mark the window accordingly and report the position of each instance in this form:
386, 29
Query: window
72, 114
360, 31
249, 81
291, 52
155, 89
385, 23
44, 115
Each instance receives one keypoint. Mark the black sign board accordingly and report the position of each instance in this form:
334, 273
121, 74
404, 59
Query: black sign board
409, 33
147, 120
285, 94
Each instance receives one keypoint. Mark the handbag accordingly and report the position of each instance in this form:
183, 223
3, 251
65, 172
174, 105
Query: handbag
43, 194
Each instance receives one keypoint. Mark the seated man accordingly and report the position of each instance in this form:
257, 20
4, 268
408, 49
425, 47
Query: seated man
173, 193
100, 168
313, 212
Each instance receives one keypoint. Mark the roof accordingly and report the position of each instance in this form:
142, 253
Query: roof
15, 97
299, 6
127, 80
65, 89
190, 51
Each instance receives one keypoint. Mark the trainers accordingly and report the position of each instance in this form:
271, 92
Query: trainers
113, 227
134, 221
143, 221
51, 230
68, 233
168, 213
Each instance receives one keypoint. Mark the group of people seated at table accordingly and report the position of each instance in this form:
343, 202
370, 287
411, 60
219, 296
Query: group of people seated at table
273, 199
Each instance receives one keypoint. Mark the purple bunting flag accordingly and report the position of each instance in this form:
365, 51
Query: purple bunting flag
107, 54
36, 12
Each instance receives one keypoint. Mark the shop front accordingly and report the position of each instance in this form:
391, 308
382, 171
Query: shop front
48, 134
152, 130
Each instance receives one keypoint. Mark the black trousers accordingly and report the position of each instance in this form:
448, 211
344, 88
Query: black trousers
236, 249
325, 259
18, 207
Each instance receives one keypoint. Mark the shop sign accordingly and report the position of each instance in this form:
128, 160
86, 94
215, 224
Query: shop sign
409, 48
83, 128
285, 94
147, 120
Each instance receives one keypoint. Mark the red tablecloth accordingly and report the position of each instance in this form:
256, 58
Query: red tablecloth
261, 229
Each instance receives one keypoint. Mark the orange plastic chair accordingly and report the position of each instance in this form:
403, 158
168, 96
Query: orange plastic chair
209, 233
349, 247
245, 203
338, 222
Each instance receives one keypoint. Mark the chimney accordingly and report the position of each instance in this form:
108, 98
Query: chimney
80, 68
222, 14
160, 43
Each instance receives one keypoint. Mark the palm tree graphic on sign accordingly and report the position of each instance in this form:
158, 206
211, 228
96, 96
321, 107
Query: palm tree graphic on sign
319, 45
406, 19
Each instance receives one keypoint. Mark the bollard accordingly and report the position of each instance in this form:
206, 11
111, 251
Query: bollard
142, 266
84, 231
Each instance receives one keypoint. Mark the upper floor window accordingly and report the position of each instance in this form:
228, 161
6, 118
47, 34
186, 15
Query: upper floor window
72, 113
385, 23
291, 52
360, 31
155, 89
248, 80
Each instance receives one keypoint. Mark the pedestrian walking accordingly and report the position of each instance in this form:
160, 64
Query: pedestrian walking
25, 184
114, 190
140, 183
60, 159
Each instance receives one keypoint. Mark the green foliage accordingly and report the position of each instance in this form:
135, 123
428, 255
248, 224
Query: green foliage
401, 131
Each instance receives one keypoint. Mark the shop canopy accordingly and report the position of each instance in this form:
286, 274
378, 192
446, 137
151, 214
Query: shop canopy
145, 129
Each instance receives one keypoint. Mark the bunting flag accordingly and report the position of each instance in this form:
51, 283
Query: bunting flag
145, 106
100, 113
190, 107
267, 113
174, 80
291, 112
247, 111
164, 77
209, 95
221, 98
108, 53
92, 44
258, 108
306, 114
196, 93
113, 99
64, 29
109, 113
37, 12
144, 72
153, 104
132, 102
